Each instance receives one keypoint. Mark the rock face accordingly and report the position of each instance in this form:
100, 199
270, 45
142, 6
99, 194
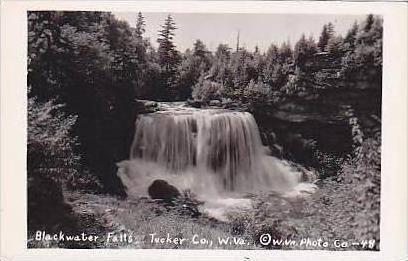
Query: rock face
161, 189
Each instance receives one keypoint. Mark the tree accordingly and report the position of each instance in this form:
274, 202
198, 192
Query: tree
200, 49
203, 56
193, 65
206, 90
304, 50
350, 38
243, 69
273, 65
330, 29
364, 62
169, 57
140, 25
335, 46
327, 33
258, 62
368, 23
324, 38
303, 53
286, 53
220, 70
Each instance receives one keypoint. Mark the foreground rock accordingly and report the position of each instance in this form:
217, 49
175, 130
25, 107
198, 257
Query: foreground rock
161, 189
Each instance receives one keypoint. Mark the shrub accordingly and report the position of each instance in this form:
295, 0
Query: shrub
51, 145
327, 164
363, 173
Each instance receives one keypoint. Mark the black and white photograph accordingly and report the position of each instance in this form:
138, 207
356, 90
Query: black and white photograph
204, 130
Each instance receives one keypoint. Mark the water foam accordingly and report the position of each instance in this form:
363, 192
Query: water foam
216, 154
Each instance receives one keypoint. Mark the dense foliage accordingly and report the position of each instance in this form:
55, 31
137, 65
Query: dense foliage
50, 144
332, 62
345, 209
92, 63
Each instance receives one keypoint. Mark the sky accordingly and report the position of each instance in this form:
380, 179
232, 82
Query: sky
255, 29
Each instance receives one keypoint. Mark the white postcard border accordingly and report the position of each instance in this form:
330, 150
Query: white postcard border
394, 182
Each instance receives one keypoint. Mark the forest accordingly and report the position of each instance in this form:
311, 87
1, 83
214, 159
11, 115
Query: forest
317, 103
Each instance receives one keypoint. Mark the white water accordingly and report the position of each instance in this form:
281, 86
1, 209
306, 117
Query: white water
216, 154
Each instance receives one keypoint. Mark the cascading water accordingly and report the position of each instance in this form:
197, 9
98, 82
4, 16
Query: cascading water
214, 153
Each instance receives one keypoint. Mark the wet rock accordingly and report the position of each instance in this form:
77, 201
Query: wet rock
215, 103
233, 106
276, 150
146, 106
225, 102
161, 189
195, 103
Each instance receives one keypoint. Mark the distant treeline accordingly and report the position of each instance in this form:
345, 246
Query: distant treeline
96, 65
68, 50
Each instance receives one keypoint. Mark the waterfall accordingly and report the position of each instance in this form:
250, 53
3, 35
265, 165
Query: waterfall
210, 152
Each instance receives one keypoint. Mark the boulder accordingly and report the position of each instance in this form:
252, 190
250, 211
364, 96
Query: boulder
161, 189
215, 103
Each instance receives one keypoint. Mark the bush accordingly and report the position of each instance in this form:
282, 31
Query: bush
51, 145
326, 163
363, 174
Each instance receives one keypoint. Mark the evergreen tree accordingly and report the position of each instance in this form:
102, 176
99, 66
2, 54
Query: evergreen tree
286, 61
304, 50
327, 33
286, 53
200, 49
140, 25
272, 66
368, 23
350, 38
330, 29
303, 53
258, 63
168, 56
335, 46
364, 62
324, 38
193, 65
